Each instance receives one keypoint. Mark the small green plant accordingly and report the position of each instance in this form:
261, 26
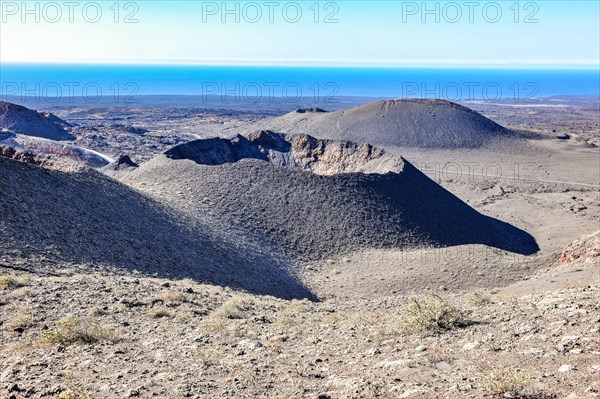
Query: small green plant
160, 312
72, 330
13, 282
431, 313
507, 383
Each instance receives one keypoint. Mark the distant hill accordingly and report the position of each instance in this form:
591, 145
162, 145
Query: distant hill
22, 120
405, 123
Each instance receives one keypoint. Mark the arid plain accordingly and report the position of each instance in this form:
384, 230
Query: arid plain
381, 249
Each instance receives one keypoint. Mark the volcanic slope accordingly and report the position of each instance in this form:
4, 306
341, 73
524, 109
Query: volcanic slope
319, 198
43, 134
51, 218
416, 123
22, 120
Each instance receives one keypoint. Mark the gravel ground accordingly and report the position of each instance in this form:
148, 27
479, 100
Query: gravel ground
153, 337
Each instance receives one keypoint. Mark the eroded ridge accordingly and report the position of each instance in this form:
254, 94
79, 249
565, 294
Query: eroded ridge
296, 152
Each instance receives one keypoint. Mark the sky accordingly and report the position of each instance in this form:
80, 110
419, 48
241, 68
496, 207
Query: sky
311, 32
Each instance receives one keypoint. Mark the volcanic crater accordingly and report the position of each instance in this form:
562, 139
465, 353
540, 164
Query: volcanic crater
319, 198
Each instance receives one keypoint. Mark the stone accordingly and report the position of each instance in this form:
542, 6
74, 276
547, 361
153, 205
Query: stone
565, 368
392, 364
373, 352
14, 388
470, 346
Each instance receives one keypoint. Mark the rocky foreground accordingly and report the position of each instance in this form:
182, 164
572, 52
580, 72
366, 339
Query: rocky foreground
82, 334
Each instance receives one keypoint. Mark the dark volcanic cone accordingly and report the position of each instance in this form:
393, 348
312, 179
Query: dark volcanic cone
405, 123
317, 198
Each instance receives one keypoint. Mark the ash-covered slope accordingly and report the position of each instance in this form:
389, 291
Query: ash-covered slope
406, 123
313, 198
50, 217
22, 120
58, 152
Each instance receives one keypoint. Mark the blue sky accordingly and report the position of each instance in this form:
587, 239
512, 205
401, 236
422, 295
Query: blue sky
341, 33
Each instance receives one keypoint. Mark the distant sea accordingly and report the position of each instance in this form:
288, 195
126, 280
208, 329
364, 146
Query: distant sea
249, 83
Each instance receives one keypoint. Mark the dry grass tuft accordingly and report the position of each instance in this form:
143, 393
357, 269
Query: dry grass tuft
73, 330
75, 394
172, 297
19, 293
11, 282
214, 326
432, 313
21, 321
233, 308
507, 384
206, 359
479, 298
98, 311
160, 312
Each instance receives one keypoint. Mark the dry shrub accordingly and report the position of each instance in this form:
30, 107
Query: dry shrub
11, 282
507, 384
21, 321
432, 313
160, 312
233, 308
73, 330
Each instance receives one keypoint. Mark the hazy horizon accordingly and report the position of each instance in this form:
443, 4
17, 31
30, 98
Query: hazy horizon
356, 33
308, 64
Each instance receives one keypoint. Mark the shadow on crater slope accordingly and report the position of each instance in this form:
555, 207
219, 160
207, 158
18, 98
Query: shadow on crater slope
89, 218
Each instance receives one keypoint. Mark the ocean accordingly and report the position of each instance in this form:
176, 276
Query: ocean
323, 84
